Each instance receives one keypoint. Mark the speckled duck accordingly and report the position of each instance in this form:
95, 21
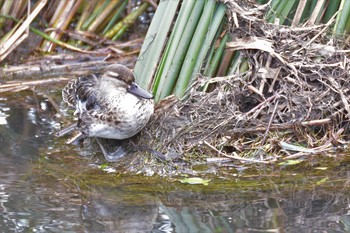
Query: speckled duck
108, 105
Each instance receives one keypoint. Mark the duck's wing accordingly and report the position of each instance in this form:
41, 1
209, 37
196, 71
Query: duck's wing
68, 93
82, 93
86, 92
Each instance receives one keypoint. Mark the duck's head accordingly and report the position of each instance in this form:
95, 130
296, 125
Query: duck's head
125, 75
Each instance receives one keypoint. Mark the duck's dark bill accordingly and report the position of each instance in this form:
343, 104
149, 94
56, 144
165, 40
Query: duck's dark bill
138, 91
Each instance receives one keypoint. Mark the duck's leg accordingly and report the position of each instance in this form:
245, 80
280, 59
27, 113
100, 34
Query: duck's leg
114, 156
69, 129
66, 130
74, 140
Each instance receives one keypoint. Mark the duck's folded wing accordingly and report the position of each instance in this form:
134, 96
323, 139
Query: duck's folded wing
86, 92
81, 93
68, 93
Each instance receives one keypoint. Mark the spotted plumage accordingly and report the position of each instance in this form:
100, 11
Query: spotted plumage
110, 104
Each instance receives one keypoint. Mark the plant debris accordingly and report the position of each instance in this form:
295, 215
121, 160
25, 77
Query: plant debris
296, 91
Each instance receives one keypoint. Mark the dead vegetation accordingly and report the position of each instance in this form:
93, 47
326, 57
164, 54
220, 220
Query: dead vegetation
293, 100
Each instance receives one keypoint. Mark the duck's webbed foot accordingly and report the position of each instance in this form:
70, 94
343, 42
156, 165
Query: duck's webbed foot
113, 156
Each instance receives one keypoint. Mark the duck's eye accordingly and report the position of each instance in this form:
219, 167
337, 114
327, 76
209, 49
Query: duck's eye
133, 86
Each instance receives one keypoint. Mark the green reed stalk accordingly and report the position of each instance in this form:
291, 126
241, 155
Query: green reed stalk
154, 42
171, 47
198, 46
115, 17
117, 31
181, 51
342, 18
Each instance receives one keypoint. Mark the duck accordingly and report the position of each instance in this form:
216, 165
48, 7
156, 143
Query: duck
110, 105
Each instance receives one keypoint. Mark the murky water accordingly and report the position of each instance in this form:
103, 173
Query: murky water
48, 186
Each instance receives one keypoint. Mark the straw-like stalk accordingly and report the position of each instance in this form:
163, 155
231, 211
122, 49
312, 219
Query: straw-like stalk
116, 32
115, 17
103, 15
60, 21
47, 37
20, 34
5, 9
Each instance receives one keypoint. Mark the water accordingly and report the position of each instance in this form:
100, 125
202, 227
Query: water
48, 186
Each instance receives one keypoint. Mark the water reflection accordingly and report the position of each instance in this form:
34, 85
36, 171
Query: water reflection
26, 203
36, 198
25, 125
114, 210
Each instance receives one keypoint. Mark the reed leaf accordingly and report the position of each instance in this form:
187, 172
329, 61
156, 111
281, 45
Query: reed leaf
225, 62
61, 21
214, 63
332, 8
47, 37
99, 7
271, 13
307, 11
88, 8
18, 8
287, 9
215, 28
154, 42
347, 26
342, 18
18, 36
317, 13
236, 60
192, 60
279, 11
172, 45
181, 50
299, 12
9, 33
217, 57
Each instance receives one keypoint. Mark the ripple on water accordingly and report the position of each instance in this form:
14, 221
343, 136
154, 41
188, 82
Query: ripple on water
28, 207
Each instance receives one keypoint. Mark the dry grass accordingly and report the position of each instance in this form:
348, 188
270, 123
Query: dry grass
295, 92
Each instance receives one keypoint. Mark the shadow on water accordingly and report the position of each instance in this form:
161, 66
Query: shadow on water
46, 186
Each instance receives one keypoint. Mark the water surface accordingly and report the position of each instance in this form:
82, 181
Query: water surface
48, 186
